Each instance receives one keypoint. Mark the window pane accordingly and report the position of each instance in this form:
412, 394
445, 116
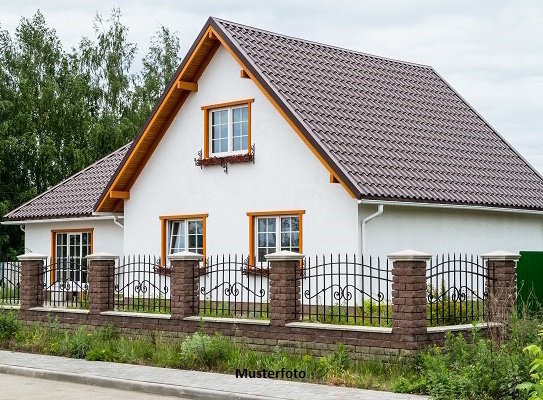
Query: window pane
285, 224
240, 128
219, 131
285, 240
177, 237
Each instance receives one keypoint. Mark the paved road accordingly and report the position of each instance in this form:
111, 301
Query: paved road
24, 388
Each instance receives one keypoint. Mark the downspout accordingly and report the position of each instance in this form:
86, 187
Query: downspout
380, 209
116, 221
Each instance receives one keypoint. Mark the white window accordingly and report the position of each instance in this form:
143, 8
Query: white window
275, 234
229, 130
71, 250
185, 235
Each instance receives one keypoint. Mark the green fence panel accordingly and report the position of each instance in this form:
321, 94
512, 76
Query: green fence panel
530, 280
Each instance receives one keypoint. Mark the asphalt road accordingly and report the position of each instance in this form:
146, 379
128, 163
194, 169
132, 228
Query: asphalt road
14, 387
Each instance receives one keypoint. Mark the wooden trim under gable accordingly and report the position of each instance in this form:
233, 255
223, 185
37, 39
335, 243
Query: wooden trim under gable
228, 104
163, 232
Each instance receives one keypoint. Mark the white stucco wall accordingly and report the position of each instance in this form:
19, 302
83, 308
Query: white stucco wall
107, 236
286, 175
438, 231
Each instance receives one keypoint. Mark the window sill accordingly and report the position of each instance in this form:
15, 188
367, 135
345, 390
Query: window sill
257, 271
167, 271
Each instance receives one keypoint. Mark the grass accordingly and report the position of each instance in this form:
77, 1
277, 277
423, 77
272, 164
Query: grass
9, 295
197, 352
475, 368
154, 305
225, 309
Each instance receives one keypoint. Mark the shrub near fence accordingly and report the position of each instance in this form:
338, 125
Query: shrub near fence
9, 282
343, 290
142, 284
229, 286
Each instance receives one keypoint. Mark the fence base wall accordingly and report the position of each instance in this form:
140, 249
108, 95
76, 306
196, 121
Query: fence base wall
319, 342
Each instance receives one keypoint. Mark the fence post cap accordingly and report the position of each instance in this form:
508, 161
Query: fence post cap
501, 255
32, 257
101, 256
284, 255
185, 256
409, 255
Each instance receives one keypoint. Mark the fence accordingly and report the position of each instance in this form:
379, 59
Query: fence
340, 290
64, 284
280, 303
9, 282
457, 288
231, 287
142, 284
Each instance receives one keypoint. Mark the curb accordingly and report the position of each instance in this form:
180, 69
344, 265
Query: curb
161, 389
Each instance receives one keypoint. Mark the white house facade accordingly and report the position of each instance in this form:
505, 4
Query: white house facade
238, 160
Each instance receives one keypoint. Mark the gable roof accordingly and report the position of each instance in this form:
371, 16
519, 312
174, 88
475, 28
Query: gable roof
386, 129
75, 196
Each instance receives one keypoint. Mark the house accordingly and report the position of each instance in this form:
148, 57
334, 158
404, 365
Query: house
263, 142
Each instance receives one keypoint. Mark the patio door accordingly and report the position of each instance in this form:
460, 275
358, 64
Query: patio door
71, 251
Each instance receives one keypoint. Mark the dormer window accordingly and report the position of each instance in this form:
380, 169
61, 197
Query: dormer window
227, 128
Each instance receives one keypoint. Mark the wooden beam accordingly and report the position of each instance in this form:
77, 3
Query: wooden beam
116, 194
183, 85
243, 74
211, 35
333, 179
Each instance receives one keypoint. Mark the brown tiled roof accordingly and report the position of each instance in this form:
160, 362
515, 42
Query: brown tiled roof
75, 196
395, 130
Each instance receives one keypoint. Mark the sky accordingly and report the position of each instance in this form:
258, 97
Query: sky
490, 51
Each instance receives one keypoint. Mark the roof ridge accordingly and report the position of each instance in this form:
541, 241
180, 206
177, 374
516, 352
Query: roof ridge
67, 179
414, 64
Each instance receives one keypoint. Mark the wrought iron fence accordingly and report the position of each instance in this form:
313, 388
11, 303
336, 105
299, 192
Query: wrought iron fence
65, 283
141, 284
9, 282
343, 290
457, 289
229, 286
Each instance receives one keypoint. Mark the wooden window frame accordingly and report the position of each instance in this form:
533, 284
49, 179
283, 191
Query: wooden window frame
275, 213
54, 246
207, 123
163, 232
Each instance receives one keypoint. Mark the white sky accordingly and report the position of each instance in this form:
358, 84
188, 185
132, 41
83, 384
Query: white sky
491, 51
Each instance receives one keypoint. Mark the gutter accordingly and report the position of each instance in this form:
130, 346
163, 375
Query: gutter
46, 220
451, 206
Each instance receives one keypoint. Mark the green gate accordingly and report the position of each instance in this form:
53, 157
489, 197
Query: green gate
530, 280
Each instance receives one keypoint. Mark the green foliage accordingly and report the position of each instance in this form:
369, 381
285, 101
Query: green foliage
200, 351
62, 110
535, 387
477, 368
9, 326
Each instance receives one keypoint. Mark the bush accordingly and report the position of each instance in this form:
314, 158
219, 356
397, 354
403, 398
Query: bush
9, 326
199, 351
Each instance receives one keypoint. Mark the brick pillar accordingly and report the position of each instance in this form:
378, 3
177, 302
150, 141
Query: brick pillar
101, 280
284, 286
501, 285
184, 284
31, 280
409, 298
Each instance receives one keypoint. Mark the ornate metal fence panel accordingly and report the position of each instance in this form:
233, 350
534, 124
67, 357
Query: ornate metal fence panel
65, 284
9, 282
346, 290
228, 286
457, 287
142, 284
